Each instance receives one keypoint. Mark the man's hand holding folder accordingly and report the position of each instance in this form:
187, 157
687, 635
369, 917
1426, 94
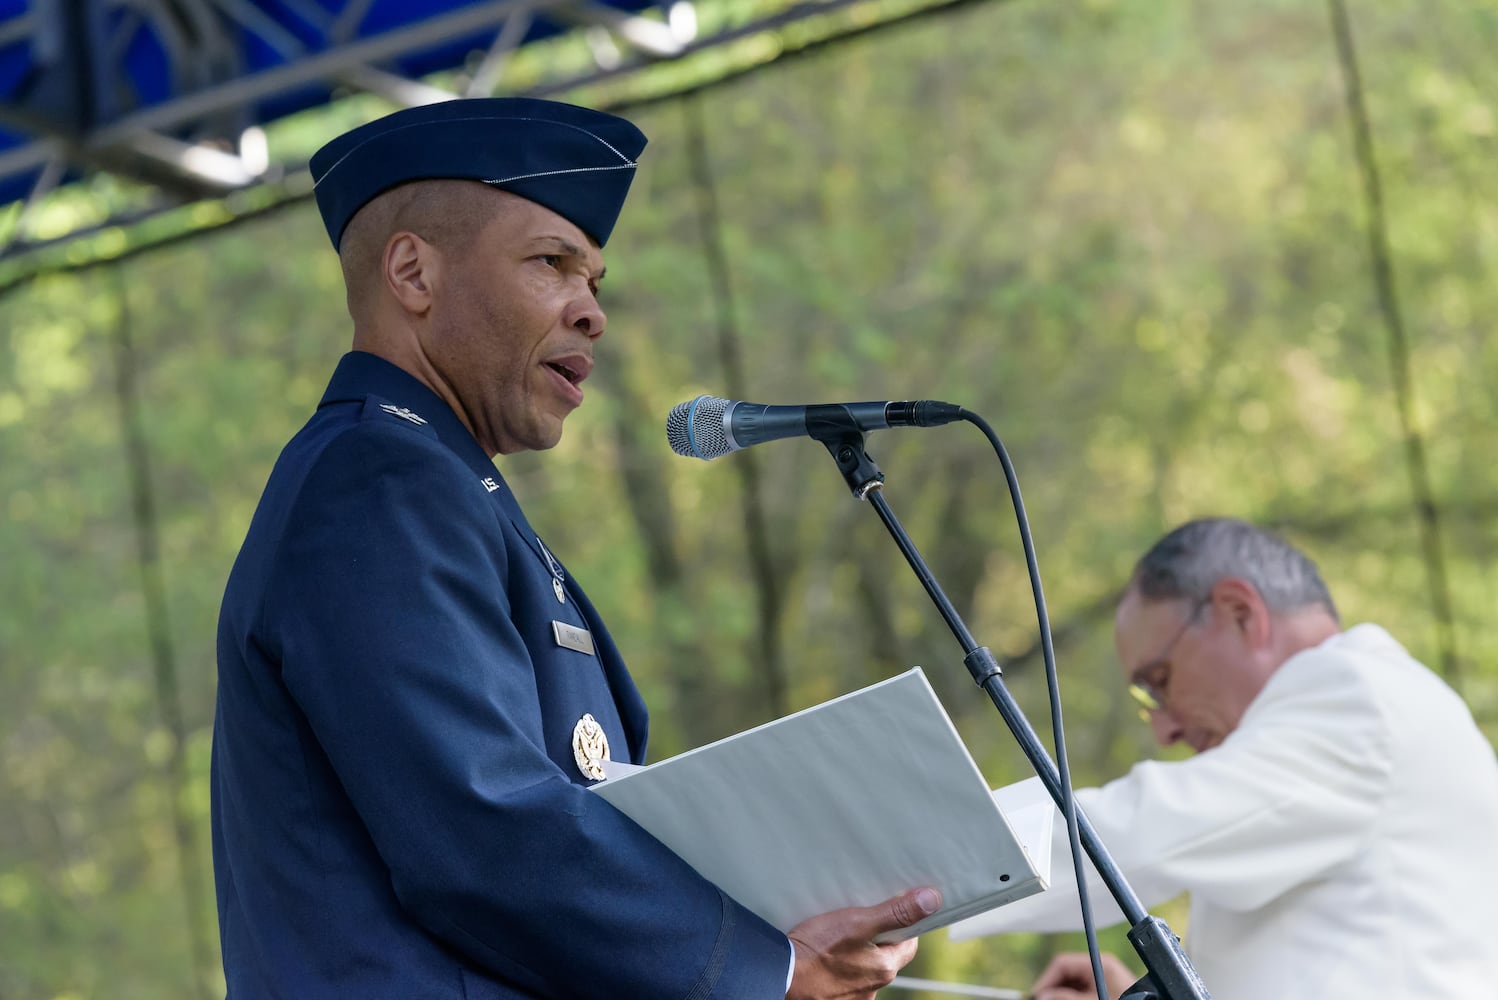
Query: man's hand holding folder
837, 948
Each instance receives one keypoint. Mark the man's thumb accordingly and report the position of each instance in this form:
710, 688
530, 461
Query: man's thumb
906, 909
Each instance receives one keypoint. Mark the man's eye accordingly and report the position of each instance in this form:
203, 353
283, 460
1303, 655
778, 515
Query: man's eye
1155, 677
551, 260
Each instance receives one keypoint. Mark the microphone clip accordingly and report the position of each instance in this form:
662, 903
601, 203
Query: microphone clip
844, 443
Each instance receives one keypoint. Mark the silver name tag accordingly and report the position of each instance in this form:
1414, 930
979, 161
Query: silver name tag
572, 637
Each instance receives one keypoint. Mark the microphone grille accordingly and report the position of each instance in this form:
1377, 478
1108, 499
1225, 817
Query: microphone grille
695, 428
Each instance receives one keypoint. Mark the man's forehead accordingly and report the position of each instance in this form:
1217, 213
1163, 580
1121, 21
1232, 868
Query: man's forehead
1140, 626
537, 225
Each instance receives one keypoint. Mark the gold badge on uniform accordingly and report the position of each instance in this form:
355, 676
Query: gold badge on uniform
590, 747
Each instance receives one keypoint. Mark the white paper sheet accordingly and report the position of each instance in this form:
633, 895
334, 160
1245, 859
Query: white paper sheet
1031, 813
844, 804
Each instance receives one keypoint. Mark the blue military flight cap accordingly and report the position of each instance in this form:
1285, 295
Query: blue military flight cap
575, 161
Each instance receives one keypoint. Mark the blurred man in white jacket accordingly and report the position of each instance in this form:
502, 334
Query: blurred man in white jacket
1336, 829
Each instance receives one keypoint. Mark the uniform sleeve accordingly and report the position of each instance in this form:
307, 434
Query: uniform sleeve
396, 641
1288, 797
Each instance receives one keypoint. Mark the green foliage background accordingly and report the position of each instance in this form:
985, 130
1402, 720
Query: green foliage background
1131, 235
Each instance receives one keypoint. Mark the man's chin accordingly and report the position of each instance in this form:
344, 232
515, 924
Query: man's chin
549, 436
544, 437
539, 444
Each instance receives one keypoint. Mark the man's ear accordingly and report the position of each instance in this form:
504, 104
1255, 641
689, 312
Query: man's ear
409, 268
1243, 605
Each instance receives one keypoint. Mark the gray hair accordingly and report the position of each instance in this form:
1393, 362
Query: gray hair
1188, 561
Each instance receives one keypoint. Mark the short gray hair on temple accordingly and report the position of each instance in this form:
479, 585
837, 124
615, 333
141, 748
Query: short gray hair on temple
1188, 561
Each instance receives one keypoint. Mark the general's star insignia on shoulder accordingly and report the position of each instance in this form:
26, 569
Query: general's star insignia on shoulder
403, 413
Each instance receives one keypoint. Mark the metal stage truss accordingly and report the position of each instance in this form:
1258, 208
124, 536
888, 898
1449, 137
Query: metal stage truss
158, 104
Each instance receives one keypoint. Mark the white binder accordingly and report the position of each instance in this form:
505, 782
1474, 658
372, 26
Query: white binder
845, 804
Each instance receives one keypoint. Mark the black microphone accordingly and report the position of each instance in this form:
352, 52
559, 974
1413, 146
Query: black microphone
708, 427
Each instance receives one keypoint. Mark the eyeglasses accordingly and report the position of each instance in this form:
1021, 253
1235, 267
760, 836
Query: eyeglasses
1148, 692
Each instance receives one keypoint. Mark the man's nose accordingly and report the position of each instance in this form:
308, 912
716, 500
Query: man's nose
586, 316
1166, 727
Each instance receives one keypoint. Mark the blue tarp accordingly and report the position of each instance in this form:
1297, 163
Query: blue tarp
91, 77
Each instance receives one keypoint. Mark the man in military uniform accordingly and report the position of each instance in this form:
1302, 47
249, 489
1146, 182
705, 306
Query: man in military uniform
413, 692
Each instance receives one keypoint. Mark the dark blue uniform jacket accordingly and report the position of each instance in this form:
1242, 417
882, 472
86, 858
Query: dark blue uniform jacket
397, 812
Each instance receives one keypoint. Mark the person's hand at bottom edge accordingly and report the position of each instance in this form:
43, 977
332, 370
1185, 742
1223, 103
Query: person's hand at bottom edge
836, 956
1069, 977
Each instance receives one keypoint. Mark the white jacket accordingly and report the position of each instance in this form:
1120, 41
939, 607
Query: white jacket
1340, 844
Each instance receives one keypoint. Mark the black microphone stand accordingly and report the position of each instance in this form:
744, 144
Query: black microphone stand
1169, 974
